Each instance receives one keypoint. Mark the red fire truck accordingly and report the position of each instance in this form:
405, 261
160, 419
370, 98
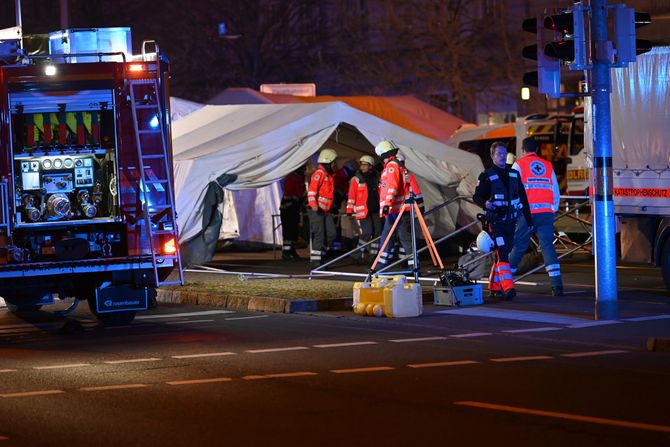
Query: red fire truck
86, 191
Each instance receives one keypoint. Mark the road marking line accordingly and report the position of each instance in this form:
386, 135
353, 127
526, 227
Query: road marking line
199, 381
118, 362
360, 370
280, 375
655, 317
343, 345
291, 348
189, 321
536, 329
33, 393
594, 323
246, 318
593, 353
72, 365
409, 340
184, 314
113, 387
436, 364
195, 356
568, 416
126, 326
7, 370
471, 334
511, 314
641, 289
521, 359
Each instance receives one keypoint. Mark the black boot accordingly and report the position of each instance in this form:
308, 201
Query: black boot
495, 294
509, 295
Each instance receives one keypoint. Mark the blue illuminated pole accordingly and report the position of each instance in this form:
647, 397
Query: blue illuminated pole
603, 221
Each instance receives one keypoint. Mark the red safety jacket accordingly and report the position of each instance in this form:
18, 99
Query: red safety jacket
320, 190
357, 204
393, 189
537, 176
418, 197
294, 185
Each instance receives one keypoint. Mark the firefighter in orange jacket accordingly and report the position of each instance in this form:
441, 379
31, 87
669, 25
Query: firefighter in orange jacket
393, 192
320, 203
544, 195
500, 192
363, 204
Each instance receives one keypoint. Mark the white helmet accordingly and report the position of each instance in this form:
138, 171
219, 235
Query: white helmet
367, 159
484, 242
327, 156
384, 146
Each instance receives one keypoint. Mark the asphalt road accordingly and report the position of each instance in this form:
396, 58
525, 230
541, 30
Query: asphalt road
494, 374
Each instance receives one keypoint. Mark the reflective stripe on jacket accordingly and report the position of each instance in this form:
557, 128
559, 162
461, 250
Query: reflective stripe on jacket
392, 186
502, 198
320, 190
357, 204
539, 181
394, 190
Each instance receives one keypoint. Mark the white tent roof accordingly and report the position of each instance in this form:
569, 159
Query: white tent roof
262, 143
179, 108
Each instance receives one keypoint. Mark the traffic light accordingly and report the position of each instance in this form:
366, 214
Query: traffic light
626, 20
569, 42
547, 78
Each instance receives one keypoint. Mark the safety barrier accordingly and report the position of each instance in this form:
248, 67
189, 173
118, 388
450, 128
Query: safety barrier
571, 246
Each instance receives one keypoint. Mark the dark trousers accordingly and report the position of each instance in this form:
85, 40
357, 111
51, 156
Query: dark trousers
322, 233
371, 227
403, 231
290, 223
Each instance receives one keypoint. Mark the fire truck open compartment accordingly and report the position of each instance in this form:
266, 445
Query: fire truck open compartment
64, 168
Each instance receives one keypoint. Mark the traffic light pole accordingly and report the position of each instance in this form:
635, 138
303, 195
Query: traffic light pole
603, 221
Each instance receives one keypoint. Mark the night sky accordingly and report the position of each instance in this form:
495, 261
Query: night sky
417, 51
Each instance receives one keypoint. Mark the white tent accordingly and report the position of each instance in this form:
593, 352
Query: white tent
261, 144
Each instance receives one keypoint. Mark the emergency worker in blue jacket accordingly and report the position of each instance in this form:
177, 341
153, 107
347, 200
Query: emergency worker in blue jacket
501, 194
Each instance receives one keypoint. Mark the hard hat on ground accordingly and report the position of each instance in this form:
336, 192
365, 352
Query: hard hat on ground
385, 146
367, 159
327, 156
484, 242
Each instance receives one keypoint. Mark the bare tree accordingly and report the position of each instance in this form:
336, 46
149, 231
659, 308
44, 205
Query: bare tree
452, 49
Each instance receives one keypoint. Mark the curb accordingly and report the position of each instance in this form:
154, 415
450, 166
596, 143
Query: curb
658, 344
253, 303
